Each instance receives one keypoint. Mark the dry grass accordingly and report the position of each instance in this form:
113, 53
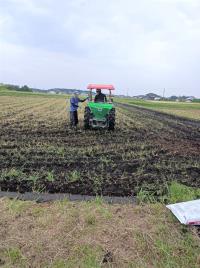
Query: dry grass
93, 234
193, 114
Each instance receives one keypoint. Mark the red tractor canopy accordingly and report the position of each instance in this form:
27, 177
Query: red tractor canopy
100, 86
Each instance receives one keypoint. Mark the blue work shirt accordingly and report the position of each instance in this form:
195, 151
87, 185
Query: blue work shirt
74, 104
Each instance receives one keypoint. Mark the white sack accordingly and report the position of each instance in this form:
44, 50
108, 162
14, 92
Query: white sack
187, 212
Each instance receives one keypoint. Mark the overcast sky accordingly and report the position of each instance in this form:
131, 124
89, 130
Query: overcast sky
139, 46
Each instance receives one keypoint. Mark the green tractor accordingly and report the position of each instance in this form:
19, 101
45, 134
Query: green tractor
100, 113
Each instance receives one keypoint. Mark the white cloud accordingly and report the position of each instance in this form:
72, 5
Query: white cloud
135, 44
5, 23
32, 6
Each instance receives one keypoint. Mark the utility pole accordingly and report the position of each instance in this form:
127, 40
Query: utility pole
163, 93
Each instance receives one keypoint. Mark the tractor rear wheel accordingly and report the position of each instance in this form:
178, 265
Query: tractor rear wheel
111, 119
87, 118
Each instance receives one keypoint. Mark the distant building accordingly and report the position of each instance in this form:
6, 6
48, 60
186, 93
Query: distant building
151, 96
189, 99
121, 96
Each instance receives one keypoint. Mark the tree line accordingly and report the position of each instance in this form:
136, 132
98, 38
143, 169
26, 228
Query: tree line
24, 88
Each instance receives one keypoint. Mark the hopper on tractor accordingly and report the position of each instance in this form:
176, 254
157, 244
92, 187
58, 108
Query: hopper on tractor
100, 114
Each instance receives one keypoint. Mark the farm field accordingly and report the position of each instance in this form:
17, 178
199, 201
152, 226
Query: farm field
39, 151
188, 110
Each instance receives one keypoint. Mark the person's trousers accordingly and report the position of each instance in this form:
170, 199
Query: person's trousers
73, 118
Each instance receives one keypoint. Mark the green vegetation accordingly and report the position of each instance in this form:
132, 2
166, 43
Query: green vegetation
88, 257
165, 104
15, 88
50, 176
179, 193
160, 103
175, 192
15, 258
184, 109
16, 207
74, 176
196, 100
4, 91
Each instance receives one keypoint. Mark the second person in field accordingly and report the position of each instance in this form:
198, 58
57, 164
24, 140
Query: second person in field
74, 101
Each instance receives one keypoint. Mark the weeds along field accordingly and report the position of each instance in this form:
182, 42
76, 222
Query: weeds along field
184, 109
39, 151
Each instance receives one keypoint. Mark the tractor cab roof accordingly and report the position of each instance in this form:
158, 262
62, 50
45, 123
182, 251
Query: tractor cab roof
100, 86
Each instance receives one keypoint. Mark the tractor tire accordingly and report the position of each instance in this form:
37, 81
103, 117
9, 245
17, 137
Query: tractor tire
87, 116
111, 119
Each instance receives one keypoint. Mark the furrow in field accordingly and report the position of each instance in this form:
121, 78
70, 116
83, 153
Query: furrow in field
147, 149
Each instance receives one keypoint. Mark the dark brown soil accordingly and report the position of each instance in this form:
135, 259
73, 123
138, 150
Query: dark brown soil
148, 149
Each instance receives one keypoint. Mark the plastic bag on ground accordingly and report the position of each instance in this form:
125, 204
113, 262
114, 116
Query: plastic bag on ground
187, 212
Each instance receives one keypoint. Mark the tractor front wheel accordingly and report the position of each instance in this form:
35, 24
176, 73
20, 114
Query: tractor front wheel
111, 119
87, 118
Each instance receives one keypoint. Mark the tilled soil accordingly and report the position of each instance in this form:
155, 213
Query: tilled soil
148, 149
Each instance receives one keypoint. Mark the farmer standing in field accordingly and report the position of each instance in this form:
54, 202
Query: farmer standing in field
74, 109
